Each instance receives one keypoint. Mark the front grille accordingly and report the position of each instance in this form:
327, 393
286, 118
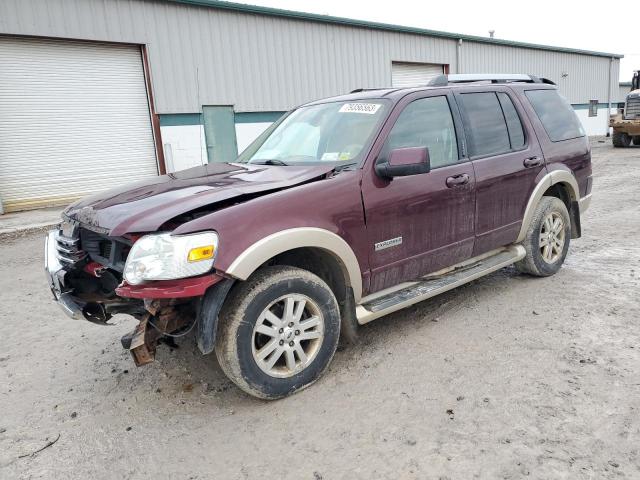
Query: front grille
68, 249
107, 251
105, 248
632, 110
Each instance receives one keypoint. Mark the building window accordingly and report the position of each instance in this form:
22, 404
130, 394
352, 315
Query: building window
593, 108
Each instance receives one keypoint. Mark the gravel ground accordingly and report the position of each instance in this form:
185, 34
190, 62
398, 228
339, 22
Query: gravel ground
507, 377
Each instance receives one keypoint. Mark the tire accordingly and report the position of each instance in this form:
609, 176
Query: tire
636, 140
247, 331
545, 262
621, 139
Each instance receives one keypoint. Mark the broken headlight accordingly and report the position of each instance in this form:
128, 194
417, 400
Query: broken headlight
166, 257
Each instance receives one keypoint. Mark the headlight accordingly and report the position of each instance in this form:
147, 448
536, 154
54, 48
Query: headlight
166, 257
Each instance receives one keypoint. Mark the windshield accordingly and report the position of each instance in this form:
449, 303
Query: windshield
337, 132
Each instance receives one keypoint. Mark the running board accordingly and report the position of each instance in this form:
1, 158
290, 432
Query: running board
376, 305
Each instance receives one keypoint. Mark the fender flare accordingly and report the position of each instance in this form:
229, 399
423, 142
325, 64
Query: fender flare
257, 254
552, 178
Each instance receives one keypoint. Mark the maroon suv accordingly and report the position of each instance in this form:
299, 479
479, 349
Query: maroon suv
343, 211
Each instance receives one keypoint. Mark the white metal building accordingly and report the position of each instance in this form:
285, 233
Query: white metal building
96, 93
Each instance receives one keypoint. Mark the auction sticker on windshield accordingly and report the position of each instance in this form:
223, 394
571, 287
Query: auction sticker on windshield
368, 108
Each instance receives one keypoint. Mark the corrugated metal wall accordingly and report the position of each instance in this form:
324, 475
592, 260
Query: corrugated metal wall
621, 92
586, 77
203, 56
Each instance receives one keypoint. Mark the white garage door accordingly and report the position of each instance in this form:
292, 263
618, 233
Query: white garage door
413, 74
74, 120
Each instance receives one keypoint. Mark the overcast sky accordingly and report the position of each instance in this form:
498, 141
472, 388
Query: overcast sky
601, 26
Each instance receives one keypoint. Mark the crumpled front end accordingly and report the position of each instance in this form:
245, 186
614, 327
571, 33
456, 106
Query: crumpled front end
84, 270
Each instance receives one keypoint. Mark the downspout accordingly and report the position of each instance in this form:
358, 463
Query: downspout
459, 56
609, 97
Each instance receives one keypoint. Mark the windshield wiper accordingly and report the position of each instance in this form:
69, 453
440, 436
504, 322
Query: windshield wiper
271, 161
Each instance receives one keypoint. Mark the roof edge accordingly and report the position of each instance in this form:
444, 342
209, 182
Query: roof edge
278, 12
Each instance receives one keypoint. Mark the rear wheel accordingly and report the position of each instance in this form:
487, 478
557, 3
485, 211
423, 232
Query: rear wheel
621, 139
636, 139
547, 239
278, 331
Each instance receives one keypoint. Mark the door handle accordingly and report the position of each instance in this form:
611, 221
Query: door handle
457, 180
532, 162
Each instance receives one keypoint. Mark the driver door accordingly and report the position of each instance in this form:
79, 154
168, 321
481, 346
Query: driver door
421, 223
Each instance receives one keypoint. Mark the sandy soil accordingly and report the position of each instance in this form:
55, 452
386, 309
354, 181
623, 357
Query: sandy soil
508, 377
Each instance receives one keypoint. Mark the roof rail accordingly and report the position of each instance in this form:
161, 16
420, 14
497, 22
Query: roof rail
358, 90
444, 80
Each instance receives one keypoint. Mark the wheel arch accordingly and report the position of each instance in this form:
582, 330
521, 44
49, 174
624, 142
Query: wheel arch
281, 243
555, 180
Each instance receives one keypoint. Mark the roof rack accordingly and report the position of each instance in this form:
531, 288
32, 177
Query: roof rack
444, 80
358, 90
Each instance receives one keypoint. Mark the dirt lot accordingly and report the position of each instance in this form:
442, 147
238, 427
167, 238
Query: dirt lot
508, 377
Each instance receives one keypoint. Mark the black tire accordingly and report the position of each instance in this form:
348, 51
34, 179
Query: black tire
236, 343
621, 139
534, 262
636, 140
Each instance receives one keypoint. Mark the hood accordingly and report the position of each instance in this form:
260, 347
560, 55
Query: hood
145, 206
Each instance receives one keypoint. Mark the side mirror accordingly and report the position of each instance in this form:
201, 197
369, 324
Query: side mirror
405, 161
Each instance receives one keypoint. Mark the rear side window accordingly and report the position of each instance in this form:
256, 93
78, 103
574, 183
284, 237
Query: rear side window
556, 114
514, 125
488, 134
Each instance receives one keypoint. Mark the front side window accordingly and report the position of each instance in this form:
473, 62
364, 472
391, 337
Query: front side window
336, 132
487, 128
426, 122
556, 115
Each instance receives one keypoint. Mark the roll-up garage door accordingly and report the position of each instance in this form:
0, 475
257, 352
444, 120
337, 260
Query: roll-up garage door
413, 74
74, 120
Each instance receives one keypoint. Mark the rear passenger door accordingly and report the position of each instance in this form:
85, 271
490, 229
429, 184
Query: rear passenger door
506, 158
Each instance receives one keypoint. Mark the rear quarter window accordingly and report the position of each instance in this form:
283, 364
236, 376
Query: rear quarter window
556, 115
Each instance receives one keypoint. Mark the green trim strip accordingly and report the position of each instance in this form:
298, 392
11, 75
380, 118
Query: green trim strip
258, 117
176, 119
179, 119
585, 106
278, 12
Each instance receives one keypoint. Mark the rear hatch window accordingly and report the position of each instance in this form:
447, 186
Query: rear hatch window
556, 114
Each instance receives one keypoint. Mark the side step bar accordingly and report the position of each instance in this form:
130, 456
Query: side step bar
376, 305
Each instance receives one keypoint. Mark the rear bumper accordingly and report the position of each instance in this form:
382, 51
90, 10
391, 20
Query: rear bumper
55, 273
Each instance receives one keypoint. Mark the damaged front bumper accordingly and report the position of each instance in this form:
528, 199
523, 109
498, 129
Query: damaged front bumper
55, 274
164, 309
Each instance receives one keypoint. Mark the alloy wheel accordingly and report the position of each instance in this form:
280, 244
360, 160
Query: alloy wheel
287, 335
552, 237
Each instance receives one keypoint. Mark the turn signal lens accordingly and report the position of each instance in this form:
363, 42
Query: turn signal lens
201, 253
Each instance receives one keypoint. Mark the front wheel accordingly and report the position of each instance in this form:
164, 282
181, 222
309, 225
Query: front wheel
278, 331
547, 239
